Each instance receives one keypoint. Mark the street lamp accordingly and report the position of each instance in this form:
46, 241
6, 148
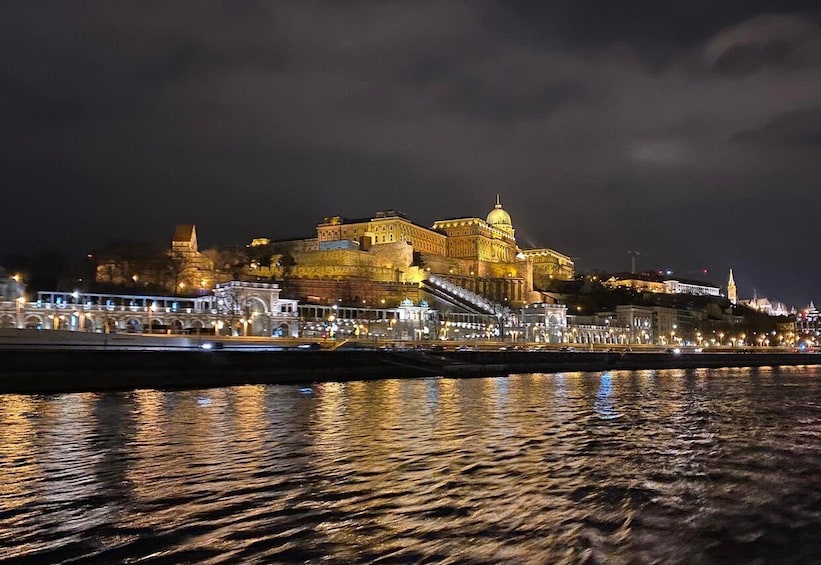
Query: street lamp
331, 325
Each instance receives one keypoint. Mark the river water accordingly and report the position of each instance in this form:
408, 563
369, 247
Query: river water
705, 466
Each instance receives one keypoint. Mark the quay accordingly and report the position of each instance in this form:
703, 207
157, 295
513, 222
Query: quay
140, 362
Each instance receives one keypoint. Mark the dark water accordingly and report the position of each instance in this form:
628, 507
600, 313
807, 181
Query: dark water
719, 466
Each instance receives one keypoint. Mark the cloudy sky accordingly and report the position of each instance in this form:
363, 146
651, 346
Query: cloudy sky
689, 131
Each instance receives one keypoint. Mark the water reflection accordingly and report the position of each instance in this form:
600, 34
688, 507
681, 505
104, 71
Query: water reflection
646, 466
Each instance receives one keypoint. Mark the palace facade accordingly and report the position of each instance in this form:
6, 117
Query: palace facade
480, 255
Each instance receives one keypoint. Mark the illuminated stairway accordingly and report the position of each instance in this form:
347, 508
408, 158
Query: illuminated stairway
462, 298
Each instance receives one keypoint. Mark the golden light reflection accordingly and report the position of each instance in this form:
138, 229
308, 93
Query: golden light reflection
16, 445
157, 462
68, 438
332, 419
248, 419
389, 465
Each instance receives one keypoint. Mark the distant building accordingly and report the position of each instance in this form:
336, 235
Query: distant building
697, 288
252, 308
192, 269
766, 306
544, 322
648, 324
652, 282
808, 320
639, 282
549, 264
180, 269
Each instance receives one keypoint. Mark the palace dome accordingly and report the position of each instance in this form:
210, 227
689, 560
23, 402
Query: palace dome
498, 216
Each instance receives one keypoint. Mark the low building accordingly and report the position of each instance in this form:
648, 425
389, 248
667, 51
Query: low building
235, 308
648, 324
654, 282
251, 308
808, 321
644, 282
545, 323
698, 288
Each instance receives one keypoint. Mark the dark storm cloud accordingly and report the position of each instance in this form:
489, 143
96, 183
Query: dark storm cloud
748, 58
797, 129
684, 130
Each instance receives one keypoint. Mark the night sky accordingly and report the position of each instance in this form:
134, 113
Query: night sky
689, 131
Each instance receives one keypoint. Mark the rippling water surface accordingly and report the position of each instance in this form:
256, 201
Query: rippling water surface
710, 466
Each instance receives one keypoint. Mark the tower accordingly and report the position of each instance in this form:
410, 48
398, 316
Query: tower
731, 289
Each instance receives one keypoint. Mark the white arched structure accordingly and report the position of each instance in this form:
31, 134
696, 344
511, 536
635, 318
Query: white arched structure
250, 308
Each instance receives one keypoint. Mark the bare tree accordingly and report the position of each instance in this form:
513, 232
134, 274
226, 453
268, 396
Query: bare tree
234, 306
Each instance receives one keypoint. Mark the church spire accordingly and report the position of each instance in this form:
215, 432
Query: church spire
498, 202
732, 293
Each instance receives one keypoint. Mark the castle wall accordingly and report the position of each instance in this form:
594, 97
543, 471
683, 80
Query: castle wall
393, 255
350, 291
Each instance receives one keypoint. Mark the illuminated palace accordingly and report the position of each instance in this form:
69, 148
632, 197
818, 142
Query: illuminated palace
389, 256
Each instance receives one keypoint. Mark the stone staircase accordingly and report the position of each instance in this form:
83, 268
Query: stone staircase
462, 297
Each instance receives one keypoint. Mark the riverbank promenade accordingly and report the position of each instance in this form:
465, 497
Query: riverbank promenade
96, 362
